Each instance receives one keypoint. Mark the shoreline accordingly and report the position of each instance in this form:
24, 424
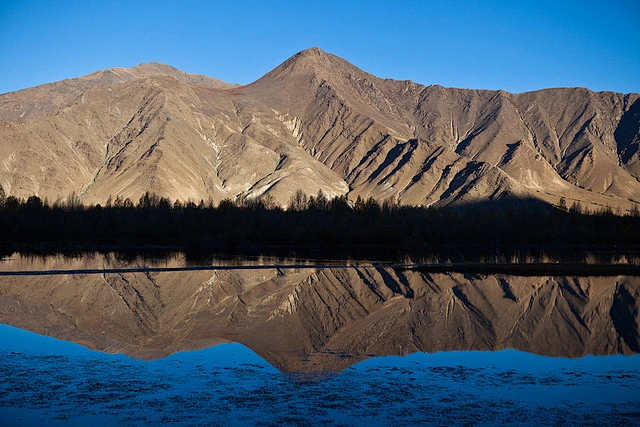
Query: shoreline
516, 269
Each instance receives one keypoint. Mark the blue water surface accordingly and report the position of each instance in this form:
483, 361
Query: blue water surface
45, 381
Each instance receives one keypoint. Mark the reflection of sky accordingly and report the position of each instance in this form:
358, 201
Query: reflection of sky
48, 380
19, 340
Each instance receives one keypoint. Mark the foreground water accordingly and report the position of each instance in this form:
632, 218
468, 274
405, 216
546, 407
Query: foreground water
46, 381
298, 346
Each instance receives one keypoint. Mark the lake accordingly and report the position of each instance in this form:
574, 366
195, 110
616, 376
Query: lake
101, 339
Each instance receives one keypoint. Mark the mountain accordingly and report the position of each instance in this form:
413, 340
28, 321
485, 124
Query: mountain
324, 320
317, 122
42, 100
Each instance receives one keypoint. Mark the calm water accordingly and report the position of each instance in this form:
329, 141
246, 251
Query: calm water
299, 346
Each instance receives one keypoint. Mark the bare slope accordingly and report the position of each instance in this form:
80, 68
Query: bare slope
314, 123
41, 100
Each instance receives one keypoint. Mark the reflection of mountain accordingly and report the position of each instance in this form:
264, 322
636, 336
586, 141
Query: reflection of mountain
325, 320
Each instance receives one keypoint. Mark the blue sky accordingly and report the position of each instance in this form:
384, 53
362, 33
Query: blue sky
512, 45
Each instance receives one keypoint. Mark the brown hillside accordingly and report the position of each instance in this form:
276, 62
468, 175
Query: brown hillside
315, 123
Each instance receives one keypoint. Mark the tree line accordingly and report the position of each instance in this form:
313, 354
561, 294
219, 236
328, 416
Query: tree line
314, 225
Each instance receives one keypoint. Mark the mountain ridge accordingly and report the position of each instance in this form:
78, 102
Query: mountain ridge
317, 123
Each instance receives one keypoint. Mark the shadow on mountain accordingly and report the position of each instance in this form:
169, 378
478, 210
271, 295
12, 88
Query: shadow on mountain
505, 205
627, 134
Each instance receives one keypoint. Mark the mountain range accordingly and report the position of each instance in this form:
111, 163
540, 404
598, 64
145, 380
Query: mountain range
316, 123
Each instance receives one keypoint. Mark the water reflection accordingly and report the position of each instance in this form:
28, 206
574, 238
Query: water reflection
321, 328
314, 321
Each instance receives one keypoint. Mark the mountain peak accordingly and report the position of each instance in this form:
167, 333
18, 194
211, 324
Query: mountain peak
149, 69
313, 61
309, 57
312, 51
155, 67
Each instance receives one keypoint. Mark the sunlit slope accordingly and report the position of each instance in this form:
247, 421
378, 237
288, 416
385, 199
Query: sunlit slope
316, 123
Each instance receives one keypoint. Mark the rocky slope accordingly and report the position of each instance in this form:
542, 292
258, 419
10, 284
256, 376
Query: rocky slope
317, 320
315, 123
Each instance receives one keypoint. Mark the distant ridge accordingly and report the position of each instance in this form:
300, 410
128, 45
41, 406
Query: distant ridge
317, 123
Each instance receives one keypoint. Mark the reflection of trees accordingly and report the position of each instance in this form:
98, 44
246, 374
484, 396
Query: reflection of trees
310, 222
